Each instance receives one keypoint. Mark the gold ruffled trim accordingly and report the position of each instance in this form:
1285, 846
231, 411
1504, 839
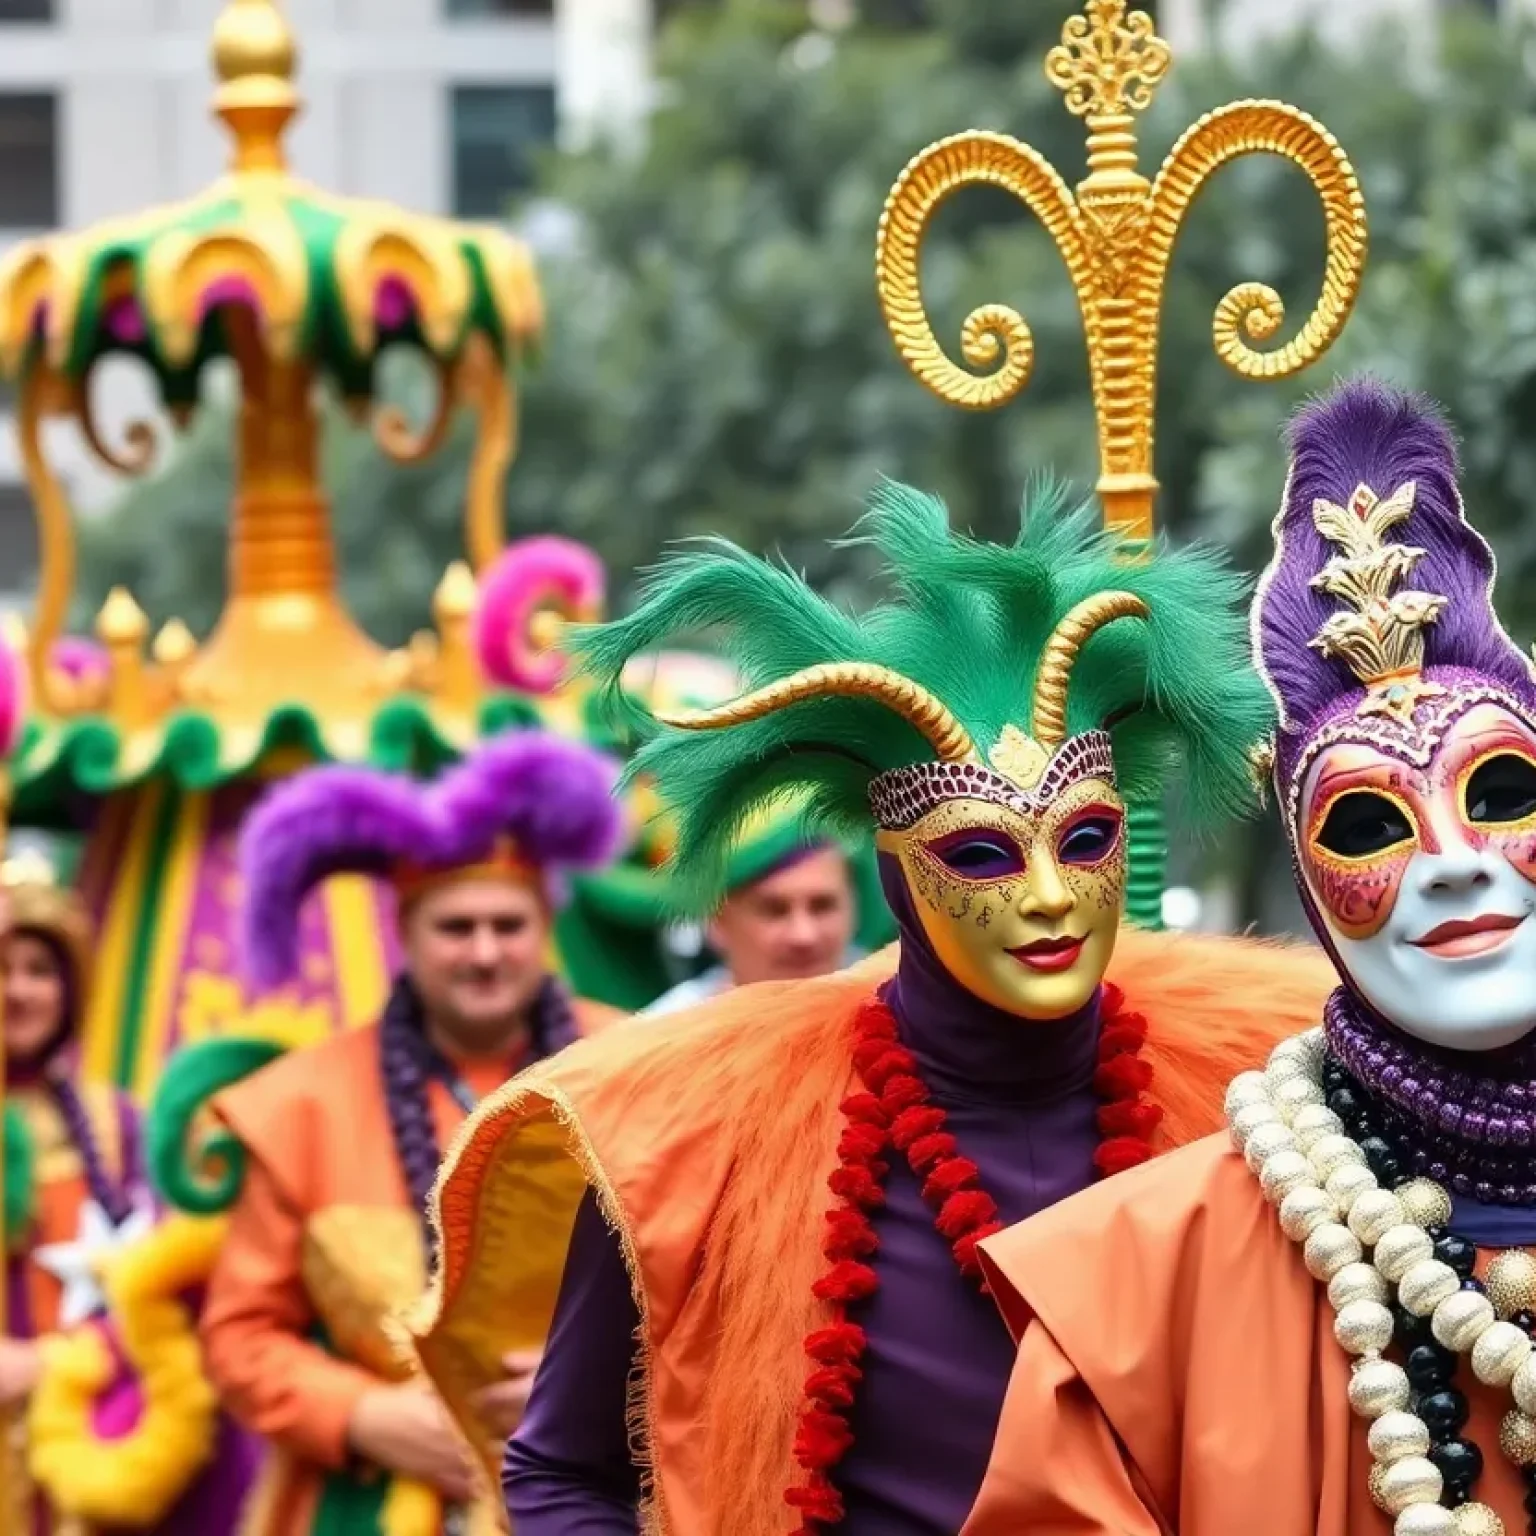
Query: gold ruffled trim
470, 1315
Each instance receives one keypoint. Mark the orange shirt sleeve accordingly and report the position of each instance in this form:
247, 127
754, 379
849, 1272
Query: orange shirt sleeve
1057, 1468
272, 1379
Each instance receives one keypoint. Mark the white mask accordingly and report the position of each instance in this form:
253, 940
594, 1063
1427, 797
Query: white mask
1426, 879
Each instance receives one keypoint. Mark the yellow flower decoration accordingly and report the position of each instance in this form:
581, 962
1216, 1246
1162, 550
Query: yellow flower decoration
132, 1482
213, 1005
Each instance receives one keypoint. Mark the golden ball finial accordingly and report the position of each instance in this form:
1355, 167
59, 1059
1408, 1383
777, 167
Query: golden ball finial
255, 57
252, 37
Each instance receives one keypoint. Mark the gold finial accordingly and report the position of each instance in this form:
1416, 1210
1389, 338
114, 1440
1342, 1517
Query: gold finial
255, 57
1380, 634
174, 645
1108, 64
121, 621
1116, 233
457, 675
456, 594
121, 627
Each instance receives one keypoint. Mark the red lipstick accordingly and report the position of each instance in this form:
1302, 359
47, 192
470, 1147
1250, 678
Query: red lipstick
1468, 936
1059, 954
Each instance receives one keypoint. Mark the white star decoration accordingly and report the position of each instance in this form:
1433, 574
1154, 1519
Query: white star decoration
78, 1265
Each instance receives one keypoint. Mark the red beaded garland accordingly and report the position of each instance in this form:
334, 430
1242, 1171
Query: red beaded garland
895, 1112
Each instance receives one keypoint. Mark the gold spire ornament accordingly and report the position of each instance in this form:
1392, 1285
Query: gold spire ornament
1116, 233
303, 292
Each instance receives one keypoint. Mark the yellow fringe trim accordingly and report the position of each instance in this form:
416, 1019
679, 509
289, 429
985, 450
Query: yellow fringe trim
133, 1482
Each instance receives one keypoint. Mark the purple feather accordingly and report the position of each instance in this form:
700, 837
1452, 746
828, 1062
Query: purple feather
552, 798
1366, 432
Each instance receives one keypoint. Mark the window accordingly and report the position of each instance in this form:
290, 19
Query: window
496, 131
493, 10
25, 10
29, 160
18, 539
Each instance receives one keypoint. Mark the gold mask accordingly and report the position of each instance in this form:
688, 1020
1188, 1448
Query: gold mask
1016, 865
1018, 892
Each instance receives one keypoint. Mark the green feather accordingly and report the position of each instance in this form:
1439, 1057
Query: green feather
18, 1210
966, 619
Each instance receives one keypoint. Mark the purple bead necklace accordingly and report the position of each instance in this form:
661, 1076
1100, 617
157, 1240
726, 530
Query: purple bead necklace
410, 1064
1467, 1121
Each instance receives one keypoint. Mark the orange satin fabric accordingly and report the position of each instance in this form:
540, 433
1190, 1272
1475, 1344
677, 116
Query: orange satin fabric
1178, 1372
317, 1131
710, 1135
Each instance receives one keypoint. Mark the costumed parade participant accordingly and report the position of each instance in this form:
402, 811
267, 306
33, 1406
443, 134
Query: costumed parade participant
77, 1190
770, 1316
100, 1363
1328, 1329
788, 911
774, 1200
340, 1143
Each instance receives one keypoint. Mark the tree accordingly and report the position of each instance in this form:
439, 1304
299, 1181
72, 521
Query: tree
717, 362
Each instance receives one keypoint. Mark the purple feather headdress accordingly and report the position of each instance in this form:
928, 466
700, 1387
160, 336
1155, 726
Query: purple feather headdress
1374, 622
549, 799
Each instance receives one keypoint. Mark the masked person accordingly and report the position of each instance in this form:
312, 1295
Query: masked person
770, 1313
341, 1142
1327, 1330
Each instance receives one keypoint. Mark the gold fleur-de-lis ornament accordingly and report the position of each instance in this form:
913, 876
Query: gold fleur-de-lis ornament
1116, 232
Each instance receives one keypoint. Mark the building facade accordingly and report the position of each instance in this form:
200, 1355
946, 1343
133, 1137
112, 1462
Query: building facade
439, 105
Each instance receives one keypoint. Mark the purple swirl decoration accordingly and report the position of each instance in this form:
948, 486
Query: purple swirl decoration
1473, 1129
410, 1063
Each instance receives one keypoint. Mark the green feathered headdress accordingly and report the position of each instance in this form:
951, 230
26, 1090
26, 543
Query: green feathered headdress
941, 669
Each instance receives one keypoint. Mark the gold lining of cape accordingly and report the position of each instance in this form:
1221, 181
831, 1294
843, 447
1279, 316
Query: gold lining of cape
432, 1323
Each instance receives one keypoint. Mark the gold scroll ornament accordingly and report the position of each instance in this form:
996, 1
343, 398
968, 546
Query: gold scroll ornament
1116, 234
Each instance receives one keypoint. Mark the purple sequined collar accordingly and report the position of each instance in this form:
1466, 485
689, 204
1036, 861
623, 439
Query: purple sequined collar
1466, 1120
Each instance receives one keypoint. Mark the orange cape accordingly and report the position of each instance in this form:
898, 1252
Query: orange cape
708, 1138
315, 1125
1178, 1371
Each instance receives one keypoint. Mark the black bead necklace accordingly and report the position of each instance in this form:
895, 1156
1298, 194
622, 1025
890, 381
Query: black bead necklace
1431, 1367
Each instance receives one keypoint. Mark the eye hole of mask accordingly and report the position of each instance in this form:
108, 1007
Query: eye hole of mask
979, 855
1362, 823
1090, 838
1501, 789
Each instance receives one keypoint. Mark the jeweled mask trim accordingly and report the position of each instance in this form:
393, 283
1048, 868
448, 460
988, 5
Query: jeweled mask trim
1412, 742
901, 797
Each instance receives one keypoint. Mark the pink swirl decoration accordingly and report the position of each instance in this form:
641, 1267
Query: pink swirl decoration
541, 575
13, 699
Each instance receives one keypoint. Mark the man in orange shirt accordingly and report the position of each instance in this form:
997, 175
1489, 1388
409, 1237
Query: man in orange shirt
340, 1143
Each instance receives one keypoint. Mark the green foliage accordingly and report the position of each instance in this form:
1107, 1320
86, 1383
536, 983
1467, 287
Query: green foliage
717, 362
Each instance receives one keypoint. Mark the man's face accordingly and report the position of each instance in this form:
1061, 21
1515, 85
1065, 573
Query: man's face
794, 924
476, 951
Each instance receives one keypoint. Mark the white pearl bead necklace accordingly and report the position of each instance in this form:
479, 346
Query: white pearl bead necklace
1362, 1243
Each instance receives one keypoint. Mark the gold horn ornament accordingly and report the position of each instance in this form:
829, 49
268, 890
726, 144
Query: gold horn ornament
1116, 234
1048, 718
949, 739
